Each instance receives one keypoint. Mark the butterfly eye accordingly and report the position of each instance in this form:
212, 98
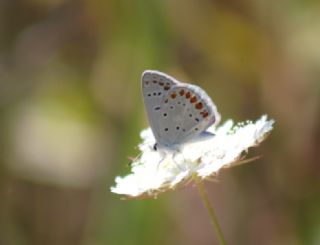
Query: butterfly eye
155, 146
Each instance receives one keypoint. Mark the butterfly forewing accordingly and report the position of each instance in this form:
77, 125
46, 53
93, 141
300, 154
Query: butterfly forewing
155, 88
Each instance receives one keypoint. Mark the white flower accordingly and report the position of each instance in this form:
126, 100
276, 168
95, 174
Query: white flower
159, 170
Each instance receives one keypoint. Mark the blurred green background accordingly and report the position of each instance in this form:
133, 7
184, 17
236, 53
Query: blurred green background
71, 112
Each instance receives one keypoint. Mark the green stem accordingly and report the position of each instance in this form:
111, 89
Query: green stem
214, 221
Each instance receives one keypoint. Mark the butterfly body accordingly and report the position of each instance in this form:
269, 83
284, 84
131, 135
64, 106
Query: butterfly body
177, 112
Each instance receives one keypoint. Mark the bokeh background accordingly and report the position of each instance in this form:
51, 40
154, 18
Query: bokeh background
71, 112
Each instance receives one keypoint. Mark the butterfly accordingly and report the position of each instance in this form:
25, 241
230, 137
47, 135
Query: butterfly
177, 112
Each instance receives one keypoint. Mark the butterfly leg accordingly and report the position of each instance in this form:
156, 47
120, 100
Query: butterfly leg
176, 163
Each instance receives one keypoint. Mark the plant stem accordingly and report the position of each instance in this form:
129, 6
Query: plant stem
214, 221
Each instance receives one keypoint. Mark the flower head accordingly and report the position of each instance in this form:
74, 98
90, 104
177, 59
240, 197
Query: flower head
161, 169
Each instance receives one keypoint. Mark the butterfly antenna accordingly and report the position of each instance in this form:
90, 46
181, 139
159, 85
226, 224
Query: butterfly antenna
133, 159
176, 164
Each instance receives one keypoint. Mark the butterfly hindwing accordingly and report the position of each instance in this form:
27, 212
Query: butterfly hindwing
194, 112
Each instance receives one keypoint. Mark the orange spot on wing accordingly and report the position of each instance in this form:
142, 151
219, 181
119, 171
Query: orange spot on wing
193, 99
173, 95
199, 106
188, 95
204, 114
181, 92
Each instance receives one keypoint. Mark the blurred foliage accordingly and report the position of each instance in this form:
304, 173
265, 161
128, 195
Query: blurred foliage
71, 112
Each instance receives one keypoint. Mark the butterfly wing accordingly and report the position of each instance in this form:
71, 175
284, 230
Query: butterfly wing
176, 111
155, 89
199, 112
